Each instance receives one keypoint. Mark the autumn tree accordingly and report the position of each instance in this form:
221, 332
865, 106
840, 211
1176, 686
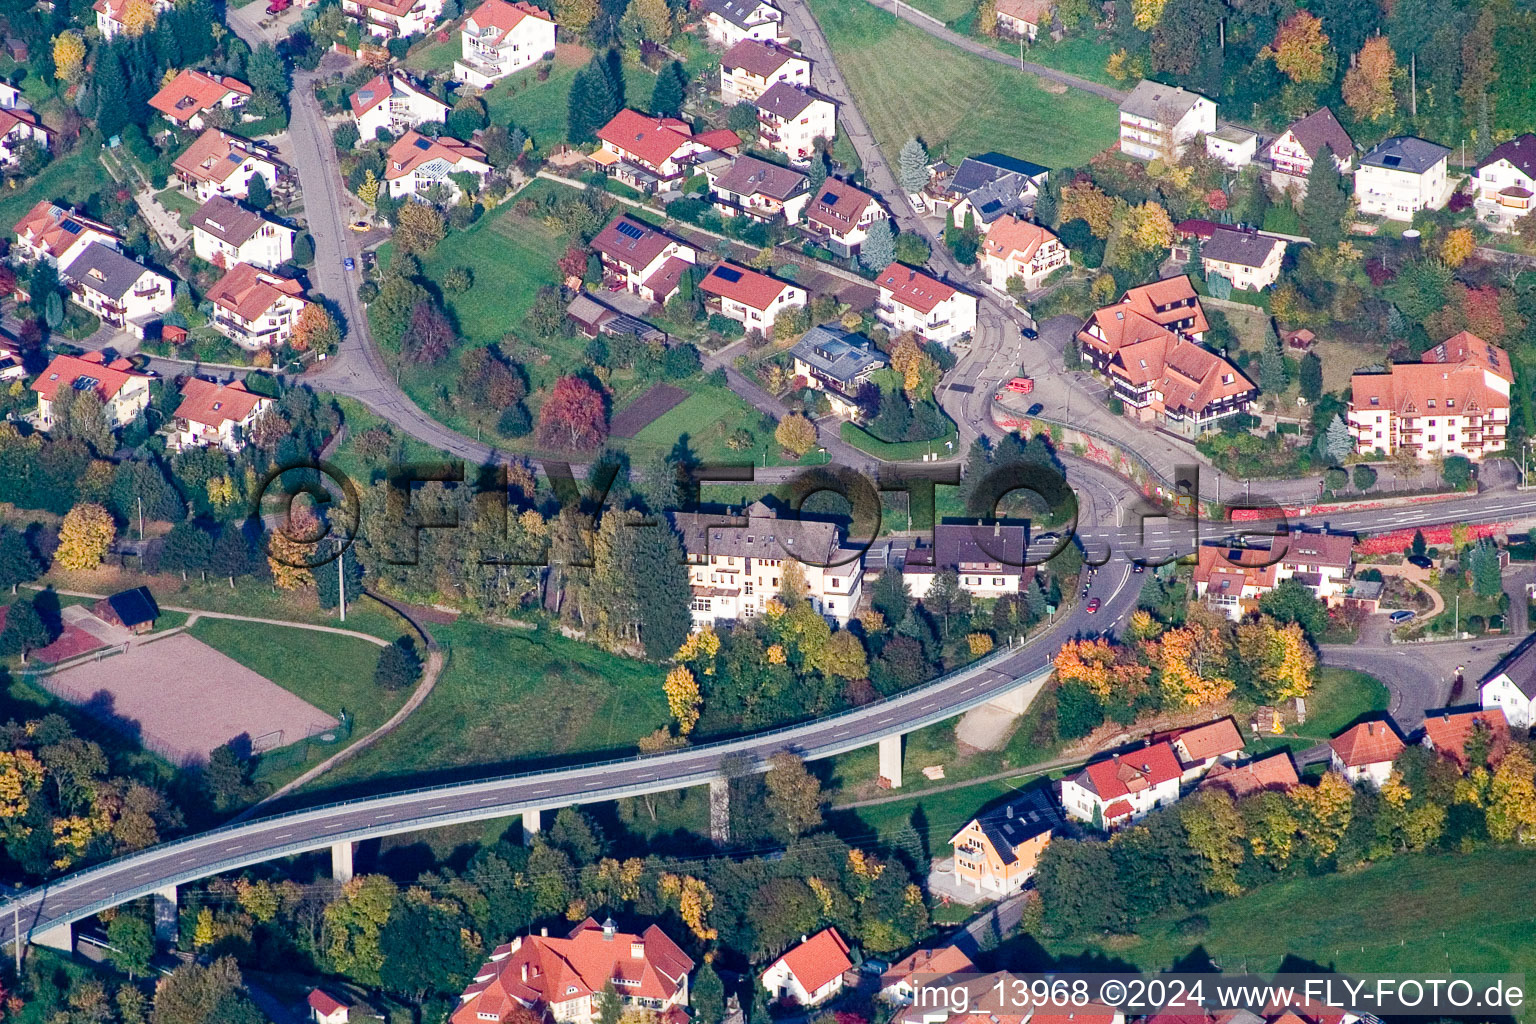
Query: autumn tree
794, 795
796, 434
648, 19
1190, 659
572, 417
1322, 813
291, 549
1368, 85
68, 56
1300, 50
315, 331
575, 16
1085, 201
844, 656
1214, 830
138, 17
1282, 662
1511, 805
1100, 666
418, 229
683, 699
919, 371
85, 537
1457, 246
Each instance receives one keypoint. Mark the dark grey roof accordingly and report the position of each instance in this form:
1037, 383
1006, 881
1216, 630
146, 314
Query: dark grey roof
1520, 667
1033, 814
840, 355
1154, 100
760, 533
737, 12
995, 184
1245, 248
1406, 153
134, 607
228, 221
1520, 152
785, 100
751, 176
957, 544
105, 270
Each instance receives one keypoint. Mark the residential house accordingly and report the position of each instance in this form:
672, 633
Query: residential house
11, 366
1232, 579
811, 972
212, 414
500, 38
225, 233
1233, 146
1505, 180
642, 259
1400, 177
595, 317
1023, 19
997, 852
1274, 772
1021, 250
122, 389
790, 120
1365, 752
1511, 687
988, 187
125, 294
383, 20
758, 189
922, 967
728, 22
220, 164
1454, 401
840, 215
986, 558
394, 103
191, 94
18, 128
750, 67
254, 308
416, 163
735, 563
910, 300
1447, 732
58, 234
1147, 345
325, 1008
11, 98
836, 363
1157, 120
1200, 747
653, 153
1123, 788
1294, 151
111, 17
562, 978
752, 299
1246, 258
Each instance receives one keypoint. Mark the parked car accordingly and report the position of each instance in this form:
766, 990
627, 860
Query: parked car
1420, 561
1021, 385
1035, 410
1400, 616
349, 263
1029, 332
359, 225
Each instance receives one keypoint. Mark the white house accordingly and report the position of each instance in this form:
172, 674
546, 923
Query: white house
642, 259
910, 300
1201, 747
255, 309
1400, 177
186, 98
840, 215
325, 1008
415, 163
790, 120
1125, 787
17, 128
651, 153
1454, 401
728, 22
123, 293
220, 164
811, 972
109, 15
215, 414
1511, 687
1365, 752
1022, 250
1157, 120
1246, 258
756, 188
501, 38
383, 20
922, 967
1233, 146
1023, 19
736, 564
987, 560
750, 67
1294, 151
123, 390
752, 299
58, 235
394, 103
225, 233
1506, 183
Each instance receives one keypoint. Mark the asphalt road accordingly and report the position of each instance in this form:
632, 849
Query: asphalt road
1420, 676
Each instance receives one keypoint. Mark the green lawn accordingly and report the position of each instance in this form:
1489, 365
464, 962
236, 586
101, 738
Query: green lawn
973, 106
1340, 696
358, 418
71, 180
945, 10
519, 697
178, 202
1404, 916
899, 451
707, 417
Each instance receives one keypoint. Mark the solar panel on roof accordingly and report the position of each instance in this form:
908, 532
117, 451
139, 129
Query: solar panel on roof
423, 144
72, 226
1391, 161
629, 230
830, 198
728, 274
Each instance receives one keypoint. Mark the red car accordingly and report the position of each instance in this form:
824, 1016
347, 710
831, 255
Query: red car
1021, 385
1093, 606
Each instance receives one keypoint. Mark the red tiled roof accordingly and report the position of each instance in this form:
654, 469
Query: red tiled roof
504, 17
1091, 1013
1320, 127
751, 288
1009, 235
1031, 12
192, 92
215, 155
204, 401
652, 140
1118, 809
414, 149
370, 94
1452, 374
666, 279
818, 959
1448, 731
1367, 743
1124, 774
1146, 298
837, 206
1277, 771
1466, 347
10, 119
631, 241
1212, 739
718, 138
65, 370
325, 1003
54, 228
756, 58
913, 288
936, 962
249, 292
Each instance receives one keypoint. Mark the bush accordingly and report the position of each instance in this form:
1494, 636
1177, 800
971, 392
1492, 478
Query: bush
515, 421
680, 361
367, 291
1365, 477
722, 324
1335, 479
398, 667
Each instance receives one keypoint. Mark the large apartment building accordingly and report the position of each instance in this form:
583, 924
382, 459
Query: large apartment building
1453, 402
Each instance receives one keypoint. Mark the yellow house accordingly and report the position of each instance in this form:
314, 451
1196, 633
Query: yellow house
997, 852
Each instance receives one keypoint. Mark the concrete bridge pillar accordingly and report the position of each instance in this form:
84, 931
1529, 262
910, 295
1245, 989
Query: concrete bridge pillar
59, 936
341, 862
532, 825
890, 761
720, 811
167, 916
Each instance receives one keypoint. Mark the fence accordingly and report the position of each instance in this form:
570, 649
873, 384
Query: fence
281, 757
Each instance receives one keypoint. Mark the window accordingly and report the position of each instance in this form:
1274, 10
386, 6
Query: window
748, 590
997, 581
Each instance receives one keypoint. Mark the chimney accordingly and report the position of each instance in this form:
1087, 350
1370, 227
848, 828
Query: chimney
525, 970
544, 933
1009, 810
637, 950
